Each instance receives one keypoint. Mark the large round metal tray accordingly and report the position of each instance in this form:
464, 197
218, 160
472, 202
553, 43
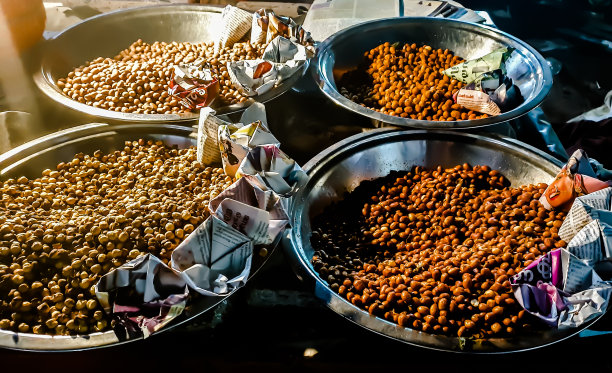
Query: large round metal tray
344, 50
33, 157
107, 34
343, 166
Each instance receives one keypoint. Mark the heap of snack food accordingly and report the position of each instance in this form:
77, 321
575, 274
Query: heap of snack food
435, 249
136, 80
61, 232
251, 54
407, 81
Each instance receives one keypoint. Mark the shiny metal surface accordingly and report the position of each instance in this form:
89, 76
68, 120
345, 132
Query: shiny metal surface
32, 158
344, 50
343, 166
107, 34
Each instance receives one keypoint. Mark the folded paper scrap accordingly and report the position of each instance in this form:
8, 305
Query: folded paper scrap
488, 89
249, 151
570, 286
575, 179
256, 213
193, 85
266, 26
236, 140
281, 59
145, 294
268, 168
142, 296
210, 149
235, 23
289, 46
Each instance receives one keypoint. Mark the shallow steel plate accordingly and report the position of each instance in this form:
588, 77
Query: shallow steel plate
33, 157
107, 34
344, 50
343, 166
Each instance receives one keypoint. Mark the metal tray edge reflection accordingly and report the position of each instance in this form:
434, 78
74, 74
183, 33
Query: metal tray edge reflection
294, 242
325, 55
13, 161
43, 76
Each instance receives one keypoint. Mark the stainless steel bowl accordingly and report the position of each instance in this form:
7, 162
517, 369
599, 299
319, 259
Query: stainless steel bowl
33, 157
107, 34
343, 166
344, 50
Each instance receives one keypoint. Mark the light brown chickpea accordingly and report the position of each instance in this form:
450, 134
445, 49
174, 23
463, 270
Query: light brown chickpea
66, 229
136, 80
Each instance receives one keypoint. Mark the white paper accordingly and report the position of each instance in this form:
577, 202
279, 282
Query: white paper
281, 59
231, 153
598, 114
478, 101
258, 214
236, 140
578, 275
235, 23
585, 306
587, 244
269, 168
584, 210
214, 259
252, 221
208, 143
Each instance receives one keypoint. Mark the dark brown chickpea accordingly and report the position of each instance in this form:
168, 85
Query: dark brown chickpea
407, 82
437, 275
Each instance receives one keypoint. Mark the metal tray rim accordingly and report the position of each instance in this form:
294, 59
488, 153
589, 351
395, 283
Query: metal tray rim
292, 243
45, 83
48, 343
332, 93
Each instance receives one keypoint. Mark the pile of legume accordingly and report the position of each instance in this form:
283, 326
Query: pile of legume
136, 80
61, 232
407, 81
433, 250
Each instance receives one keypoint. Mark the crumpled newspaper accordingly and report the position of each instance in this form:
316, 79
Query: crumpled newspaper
479, 69
256, 213
250, 151
598, 114
266, 26
488, 89
208, 131
145, 294
142, 295
235, 142
568, 287
575, 179
289, 47
193, 85
207, 141
229, 143
281, 59
267, 167
215, 259
235, 23
586, 209
561, 289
